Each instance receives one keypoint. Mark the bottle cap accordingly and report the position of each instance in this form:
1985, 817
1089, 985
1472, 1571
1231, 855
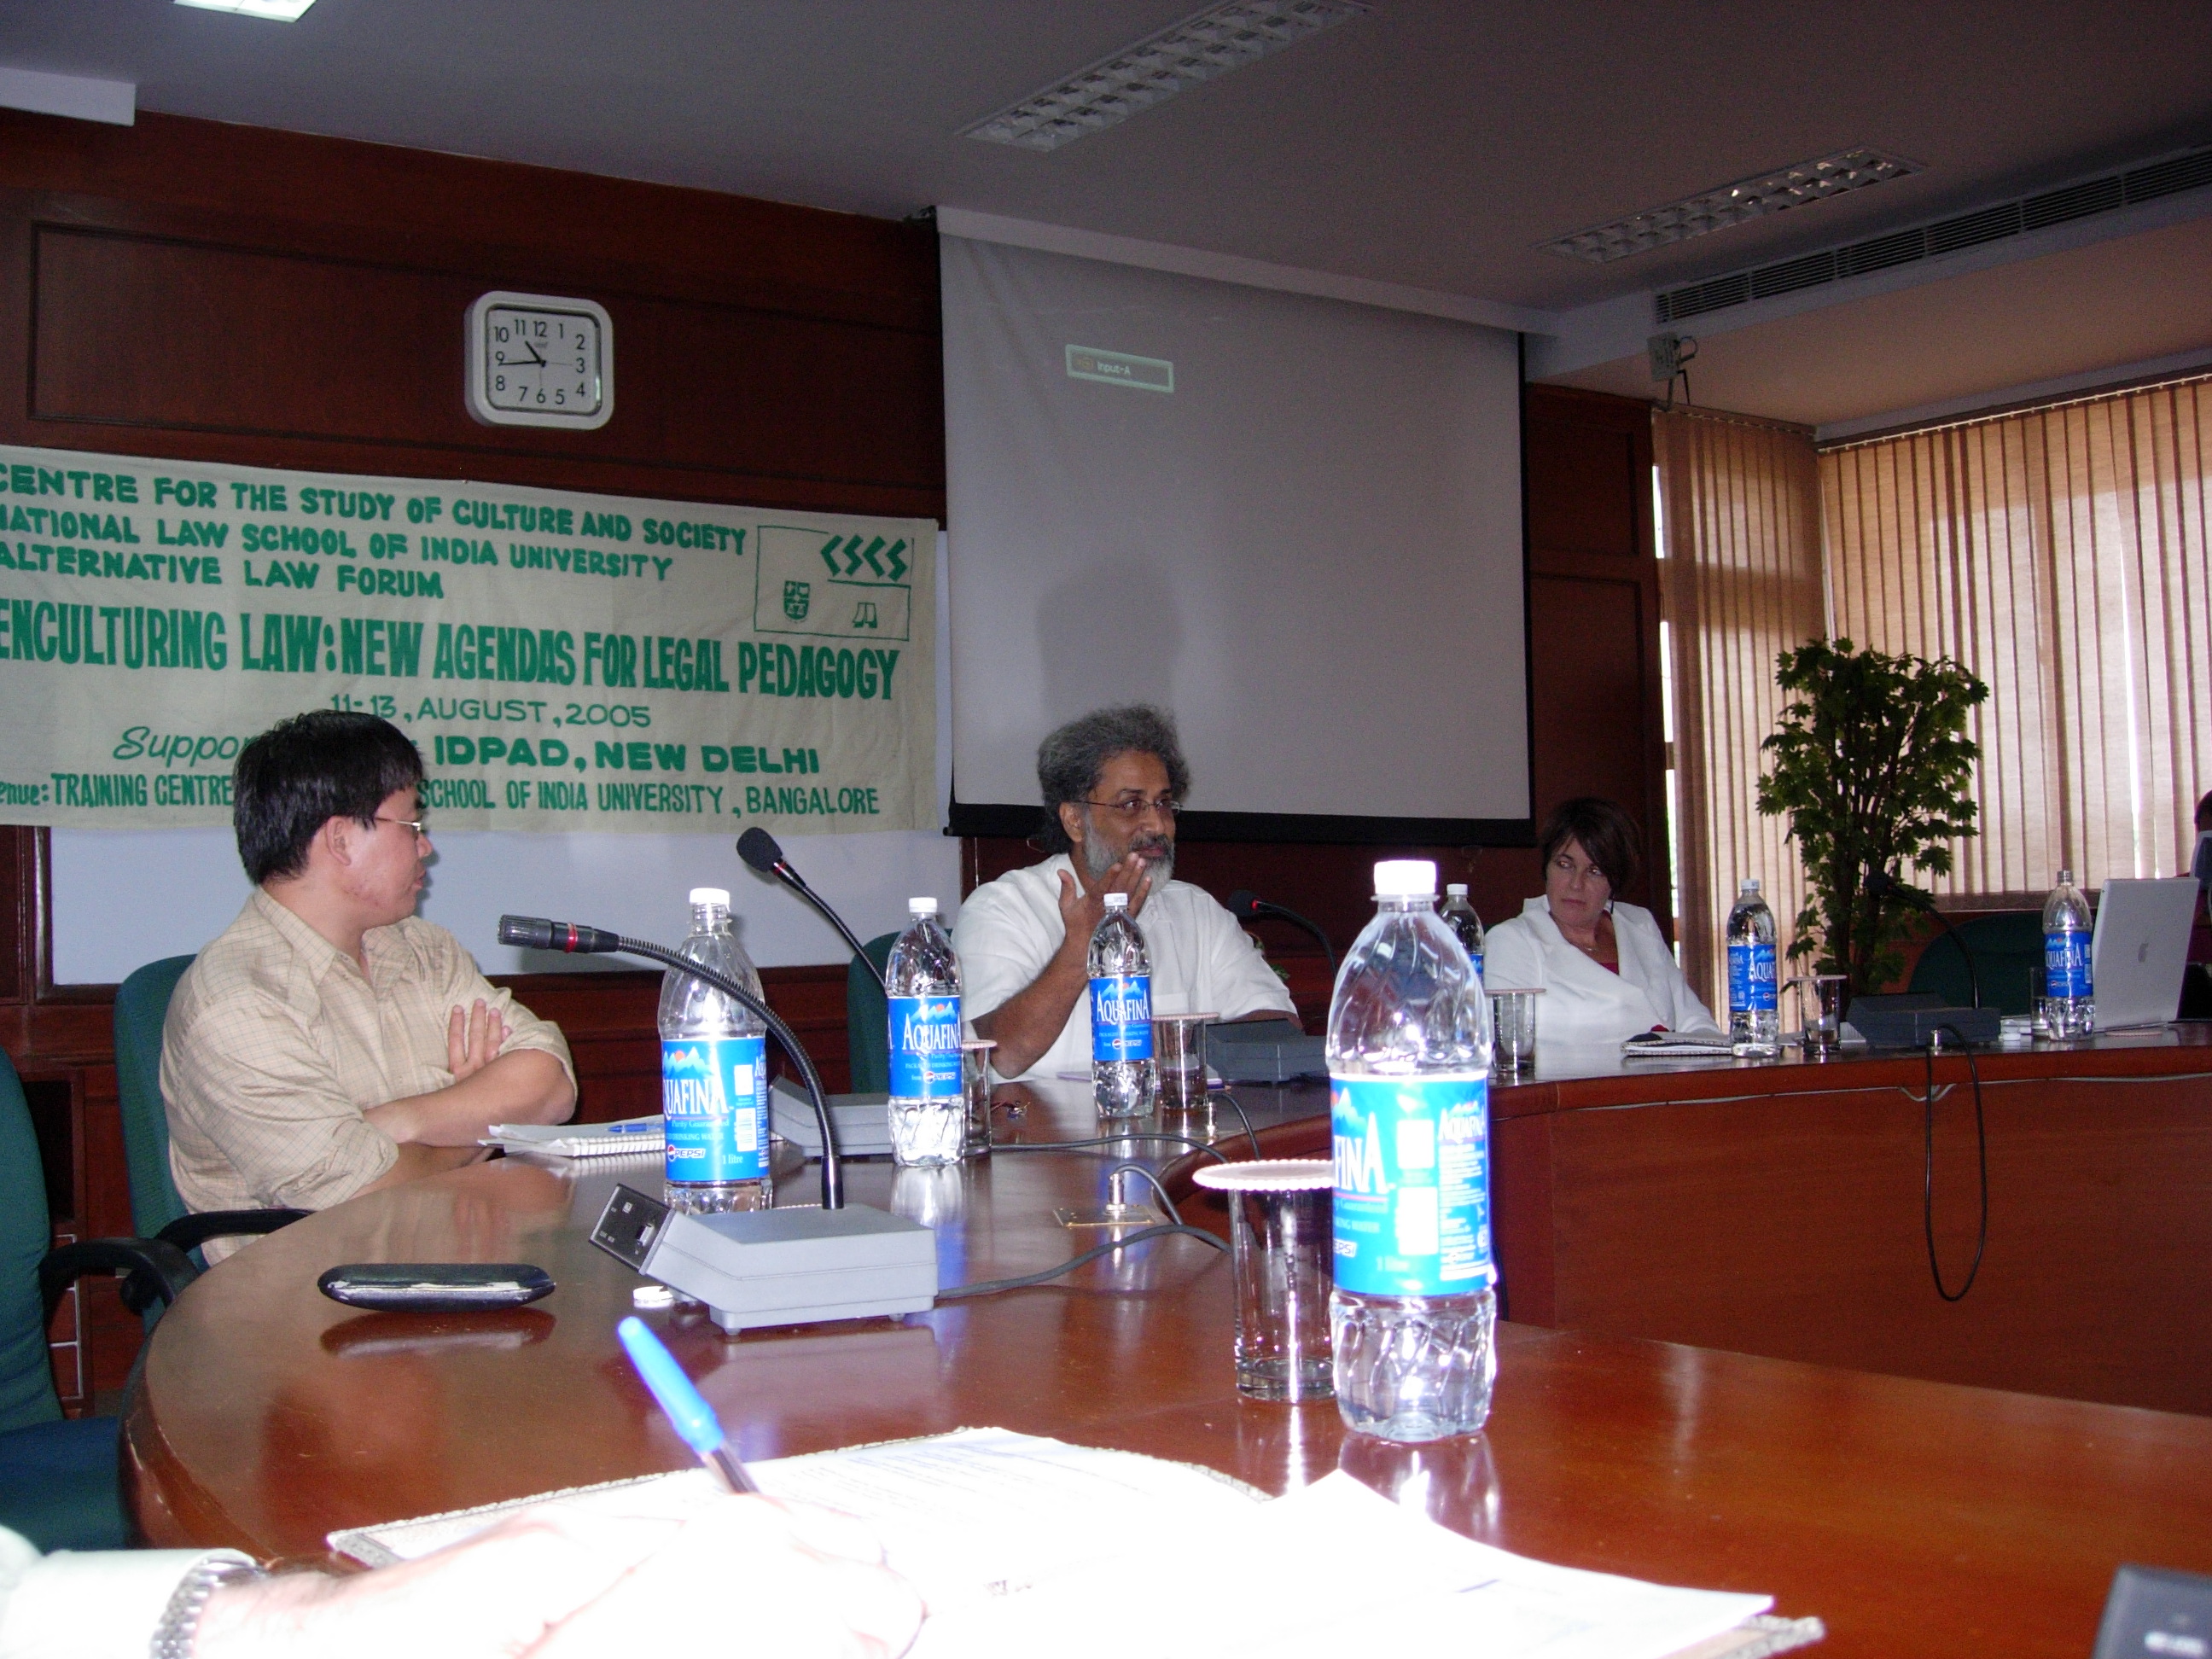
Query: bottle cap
1456, 890
922, 907
1117, 901
711, 896
2065, 877
1406, 879
1750, 885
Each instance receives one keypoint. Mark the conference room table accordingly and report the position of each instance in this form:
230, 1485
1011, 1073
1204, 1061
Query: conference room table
1912, 1516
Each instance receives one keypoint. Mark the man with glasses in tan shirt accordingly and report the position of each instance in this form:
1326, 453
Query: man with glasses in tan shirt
1113, 782
330, 1042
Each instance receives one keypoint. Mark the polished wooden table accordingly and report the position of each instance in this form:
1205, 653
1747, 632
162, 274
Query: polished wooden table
1913, 1517
1777, 1208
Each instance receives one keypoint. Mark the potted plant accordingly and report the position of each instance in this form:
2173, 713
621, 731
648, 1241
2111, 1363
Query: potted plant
1871, 763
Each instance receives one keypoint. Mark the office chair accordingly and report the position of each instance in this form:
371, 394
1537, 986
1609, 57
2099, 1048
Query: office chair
868, 1017
2007, 946
57, 1475
141, 1003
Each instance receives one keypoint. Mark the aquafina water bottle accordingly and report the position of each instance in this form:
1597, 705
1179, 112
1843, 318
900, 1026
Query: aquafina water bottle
1409, 1044
1458, 916
1122, 1072
929, 1116
2066, 979
714, 1072
1754, 1016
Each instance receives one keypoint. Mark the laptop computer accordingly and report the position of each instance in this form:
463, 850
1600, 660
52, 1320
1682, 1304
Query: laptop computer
2136, 952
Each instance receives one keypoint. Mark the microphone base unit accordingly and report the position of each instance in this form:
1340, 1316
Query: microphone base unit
757, 1269
1910, 1021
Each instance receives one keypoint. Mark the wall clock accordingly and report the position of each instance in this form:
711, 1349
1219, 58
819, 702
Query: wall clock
536, 359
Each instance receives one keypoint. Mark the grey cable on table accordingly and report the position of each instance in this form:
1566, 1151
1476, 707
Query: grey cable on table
1213, 1152
1237, 1106
992, 1287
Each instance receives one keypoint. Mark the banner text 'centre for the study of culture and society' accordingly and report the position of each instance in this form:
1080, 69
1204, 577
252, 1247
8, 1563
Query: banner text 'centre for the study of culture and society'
563, 661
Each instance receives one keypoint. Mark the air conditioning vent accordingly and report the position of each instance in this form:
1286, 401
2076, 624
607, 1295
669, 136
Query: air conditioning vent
1881, 252
1793, 274
2191, 171
1972, 229
2166, 178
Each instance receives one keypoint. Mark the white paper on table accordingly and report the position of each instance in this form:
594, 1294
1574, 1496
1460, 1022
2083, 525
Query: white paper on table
1335, 1569
1017, 1543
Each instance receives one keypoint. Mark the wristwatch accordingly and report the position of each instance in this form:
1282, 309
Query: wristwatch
180, 1621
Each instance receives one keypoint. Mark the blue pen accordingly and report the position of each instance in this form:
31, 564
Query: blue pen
692, 1417
644, 1126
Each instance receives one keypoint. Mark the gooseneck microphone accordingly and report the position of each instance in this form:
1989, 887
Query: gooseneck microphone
1247, 906
758, 849
1880, 884
537, 933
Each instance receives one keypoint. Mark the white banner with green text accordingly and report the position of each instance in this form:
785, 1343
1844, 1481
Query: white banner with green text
563, 661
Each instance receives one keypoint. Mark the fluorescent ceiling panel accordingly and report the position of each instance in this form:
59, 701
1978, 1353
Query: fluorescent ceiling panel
1725, 205
274, 11
1203, 47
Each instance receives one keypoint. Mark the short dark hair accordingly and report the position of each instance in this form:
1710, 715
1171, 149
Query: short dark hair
302, 773
1602, 830
1070, 760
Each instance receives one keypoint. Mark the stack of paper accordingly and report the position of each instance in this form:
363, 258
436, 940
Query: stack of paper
636, 1134
1016, 1543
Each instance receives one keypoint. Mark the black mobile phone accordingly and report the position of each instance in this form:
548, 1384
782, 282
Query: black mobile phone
435, 1287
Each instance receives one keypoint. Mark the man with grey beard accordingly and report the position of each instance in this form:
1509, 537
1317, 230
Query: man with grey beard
1113, 782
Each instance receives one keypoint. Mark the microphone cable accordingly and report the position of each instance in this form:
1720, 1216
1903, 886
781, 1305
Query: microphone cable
1928, 1172
992, 1287
1151, 1180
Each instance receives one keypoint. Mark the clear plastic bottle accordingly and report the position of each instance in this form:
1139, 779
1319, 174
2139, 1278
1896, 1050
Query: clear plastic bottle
1123, 1077
1754, 1016
921, 980
2067, 934
1458, 916
713, 1073
1409, 1044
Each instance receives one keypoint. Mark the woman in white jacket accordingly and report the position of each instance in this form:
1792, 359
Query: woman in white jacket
1605, 970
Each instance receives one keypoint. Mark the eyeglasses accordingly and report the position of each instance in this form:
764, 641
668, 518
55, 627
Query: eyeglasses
419, 827
1132, 808
1567, 868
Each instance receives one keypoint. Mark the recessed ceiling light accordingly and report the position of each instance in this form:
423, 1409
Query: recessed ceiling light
1731, 204
275, 11
1202, 47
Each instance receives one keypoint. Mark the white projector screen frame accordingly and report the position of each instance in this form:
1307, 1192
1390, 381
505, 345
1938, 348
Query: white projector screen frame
1310, 549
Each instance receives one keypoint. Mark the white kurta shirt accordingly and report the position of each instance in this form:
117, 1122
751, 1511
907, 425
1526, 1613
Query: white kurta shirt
1584, 1004
1202, 961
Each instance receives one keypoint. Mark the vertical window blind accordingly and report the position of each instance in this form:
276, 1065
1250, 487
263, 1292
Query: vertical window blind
2061, 554
1741, 582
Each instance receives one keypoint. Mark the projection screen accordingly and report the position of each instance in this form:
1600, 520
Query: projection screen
1293, 521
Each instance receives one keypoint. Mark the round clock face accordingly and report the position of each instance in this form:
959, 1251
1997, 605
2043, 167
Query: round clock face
537, 361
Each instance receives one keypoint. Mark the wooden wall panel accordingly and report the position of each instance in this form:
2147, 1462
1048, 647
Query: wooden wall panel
1587, 476
1594, 616
137, 332
1590, 714
205, 292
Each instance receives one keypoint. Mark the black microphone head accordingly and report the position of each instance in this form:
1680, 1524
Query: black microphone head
532, 933
537, 933
1243, 902
1879, 884
758, 848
